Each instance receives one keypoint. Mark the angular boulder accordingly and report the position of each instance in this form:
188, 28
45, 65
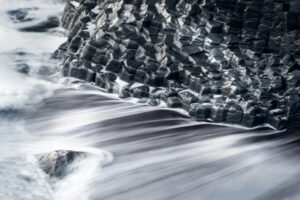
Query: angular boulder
56, 163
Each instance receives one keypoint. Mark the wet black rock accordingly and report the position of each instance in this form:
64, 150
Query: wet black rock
201, 112
20, 15
56, 163
219, 114
234, 115
91, 76
51, 22
73, 71
139, 91
174, 102
222, 61
23, 68
46, 71
60, 52
114, 66
154, 102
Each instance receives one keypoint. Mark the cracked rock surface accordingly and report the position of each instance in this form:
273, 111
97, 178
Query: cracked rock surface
224, 61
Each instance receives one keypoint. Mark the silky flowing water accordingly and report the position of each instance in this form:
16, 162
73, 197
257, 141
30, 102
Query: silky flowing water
136, 152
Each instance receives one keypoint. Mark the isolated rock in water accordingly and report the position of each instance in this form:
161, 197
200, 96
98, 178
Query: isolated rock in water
56, 163
46, 71
19, 15
238, 59
51, 22
23, 68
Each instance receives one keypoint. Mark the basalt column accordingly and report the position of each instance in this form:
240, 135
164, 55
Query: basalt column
226, 61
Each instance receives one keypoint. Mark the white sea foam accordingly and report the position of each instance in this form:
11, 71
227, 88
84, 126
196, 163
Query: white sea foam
21, 177
76, 184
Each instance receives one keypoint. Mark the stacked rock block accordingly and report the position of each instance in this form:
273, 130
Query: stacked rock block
225, 61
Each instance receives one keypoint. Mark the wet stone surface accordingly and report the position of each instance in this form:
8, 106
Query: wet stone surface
20, 15
51, 22
56, 163
238, 60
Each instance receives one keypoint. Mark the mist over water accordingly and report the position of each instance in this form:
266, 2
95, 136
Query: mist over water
134, 151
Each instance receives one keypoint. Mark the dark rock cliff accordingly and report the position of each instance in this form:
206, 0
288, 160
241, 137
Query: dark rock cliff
226, 61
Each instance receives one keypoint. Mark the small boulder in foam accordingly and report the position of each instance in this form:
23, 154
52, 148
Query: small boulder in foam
56, 163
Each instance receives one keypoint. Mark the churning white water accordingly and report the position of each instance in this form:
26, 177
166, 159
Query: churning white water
26, 50
27, 77
135, 152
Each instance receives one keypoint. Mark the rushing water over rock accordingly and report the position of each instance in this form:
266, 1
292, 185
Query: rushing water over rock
133, 151
159, 153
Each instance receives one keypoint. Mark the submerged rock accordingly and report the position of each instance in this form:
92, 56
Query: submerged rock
23, 68
46, 71
20, 15
51, 22
56, 163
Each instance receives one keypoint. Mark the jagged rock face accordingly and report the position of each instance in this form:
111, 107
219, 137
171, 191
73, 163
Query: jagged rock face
55, 163
227, 61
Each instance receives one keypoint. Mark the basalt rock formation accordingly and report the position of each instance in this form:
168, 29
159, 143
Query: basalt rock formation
224, 61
